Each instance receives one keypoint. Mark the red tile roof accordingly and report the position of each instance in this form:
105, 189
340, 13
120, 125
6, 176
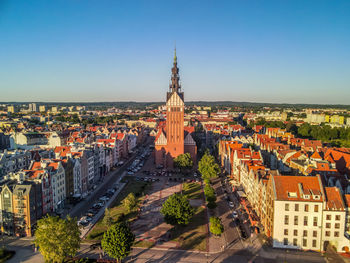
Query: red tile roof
334, 200
292, 187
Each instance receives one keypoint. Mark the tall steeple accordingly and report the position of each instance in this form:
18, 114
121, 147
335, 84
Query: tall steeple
174, 86
175, 78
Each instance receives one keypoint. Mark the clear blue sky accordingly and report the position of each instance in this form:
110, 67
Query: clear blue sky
260, 51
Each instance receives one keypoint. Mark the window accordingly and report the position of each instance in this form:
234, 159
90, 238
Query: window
296, 207
314, 243
295, 242
306, 208
285, 241
328, 234
337, 225
305, 233
328, 217
336, 233
295, 232
316, 208
328, 225
286, 232
337, 217
295, 220
286, 207
314, 233
305, 220
315, 221
304, 242
286, 219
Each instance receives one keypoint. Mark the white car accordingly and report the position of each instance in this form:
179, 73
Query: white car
231, 204
234, 214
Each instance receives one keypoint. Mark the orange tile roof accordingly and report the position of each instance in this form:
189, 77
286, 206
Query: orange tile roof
54, 165
347, 200
36, 165
334, 200
287, 188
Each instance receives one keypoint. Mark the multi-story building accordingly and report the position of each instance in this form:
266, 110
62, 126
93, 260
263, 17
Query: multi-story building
77, 180
32, 107
24, 209
6, 202
11, 109
304, 215
42, 108
4, 141
13, 161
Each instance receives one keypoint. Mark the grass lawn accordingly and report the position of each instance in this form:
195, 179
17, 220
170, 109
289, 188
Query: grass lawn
192, 190
117, 209
194, 235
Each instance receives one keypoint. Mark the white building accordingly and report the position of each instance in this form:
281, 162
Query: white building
306, 216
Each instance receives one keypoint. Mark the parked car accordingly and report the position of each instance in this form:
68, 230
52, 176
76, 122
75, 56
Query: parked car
234, 214
83, 223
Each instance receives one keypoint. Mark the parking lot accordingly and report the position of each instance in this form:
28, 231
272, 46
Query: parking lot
96, 209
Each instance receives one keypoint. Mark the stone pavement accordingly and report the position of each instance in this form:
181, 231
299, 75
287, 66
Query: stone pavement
150, 224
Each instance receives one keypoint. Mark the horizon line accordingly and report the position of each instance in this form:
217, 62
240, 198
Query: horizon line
191, 101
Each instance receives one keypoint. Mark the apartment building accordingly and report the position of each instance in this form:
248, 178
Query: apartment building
305, 215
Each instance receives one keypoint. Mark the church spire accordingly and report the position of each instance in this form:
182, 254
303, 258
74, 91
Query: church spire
175, 78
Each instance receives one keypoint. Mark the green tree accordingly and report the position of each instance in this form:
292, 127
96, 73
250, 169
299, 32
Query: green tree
216, 227
57, 238
177, 210
209, 193
117, 241
183, 162
304, 130
130, 202
208, 167
108, 219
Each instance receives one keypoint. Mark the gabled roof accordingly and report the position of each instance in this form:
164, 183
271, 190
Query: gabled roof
334, 199
189, 140
297, 188
161, 138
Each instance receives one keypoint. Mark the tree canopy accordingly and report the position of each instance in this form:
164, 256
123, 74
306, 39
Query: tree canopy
177, 210
216, 227
108, 219
209, 193
57, 238
130, 202
208, 167
183, 161
117, 241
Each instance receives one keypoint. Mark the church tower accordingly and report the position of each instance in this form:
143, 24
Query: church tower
175, 113
173, 138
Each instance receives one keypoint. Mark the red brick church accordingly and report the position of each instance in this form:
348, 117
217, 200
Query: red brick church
173, 138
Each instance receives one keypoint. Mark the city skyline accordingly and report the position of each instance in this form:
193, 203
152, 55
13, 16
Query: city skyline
294, 52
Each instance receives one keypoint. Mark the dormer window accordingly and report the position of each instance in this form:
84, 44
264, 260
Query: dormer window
292, 194
306, 196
